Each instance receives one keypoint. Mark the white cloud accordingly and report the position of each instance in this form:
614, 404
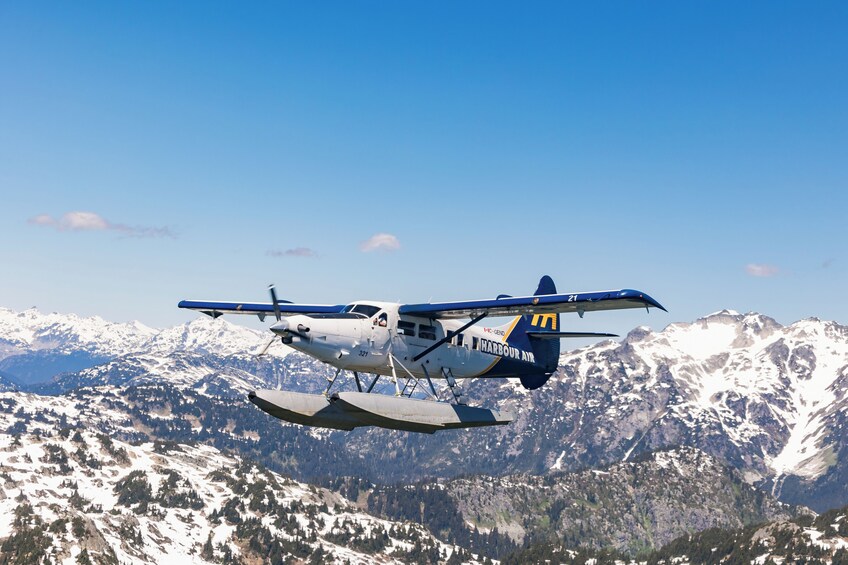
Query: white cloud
295, 252
91, 221
380, 242
761, 270
82, 221
42, 220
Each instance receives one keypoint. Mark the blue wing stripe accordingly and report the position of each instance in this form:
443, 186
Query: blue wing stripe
257, 307
542, 304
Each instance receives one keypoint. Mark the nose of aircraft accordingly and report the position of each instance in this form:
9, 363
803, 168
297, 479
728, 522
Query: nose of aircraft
281, 326
291, 324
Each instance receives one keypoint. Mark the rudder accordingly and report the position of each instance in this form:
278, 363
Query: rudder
545, 351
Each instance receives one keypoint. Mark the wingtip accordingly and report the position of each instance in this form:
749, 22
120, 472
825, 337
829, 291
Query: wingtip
658, 305
653, 303
644, 297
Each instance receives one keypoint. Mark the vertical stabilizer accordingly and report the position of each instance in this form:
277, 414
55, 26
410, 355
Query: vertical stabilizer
546, 351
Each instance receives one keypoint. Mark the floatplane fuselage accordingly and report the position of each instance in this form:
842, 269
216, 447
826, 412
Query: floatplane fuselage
417, 343
372, 337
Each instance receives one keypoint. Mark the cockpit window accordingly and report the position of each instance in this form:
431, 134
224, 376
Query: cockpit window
365, 309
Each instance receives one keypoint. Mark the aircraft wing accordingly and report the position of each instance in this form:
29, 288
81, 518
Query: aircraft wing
579, 302
261, 309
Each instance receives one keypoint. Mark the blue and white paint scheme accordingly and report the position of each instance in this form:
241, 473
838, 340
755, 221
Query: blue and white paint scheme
421, 342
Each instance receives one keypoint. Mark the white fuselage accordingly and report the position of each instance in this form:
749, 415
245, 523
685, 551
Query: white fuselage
371, 337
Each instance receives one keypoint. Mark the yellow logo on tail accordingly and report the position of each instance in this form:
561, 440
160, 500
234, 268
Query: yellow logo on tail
542, 320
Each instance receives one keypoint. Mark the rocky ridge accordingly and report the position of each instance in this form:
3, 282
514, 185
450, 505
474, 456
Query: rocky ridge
632, 506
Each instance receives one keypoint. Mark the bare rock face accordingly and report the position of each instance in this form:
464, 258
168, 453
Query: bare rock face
629, 506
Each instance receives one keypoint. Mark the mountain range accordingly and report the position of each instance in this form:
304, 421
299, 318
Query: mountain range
761, 403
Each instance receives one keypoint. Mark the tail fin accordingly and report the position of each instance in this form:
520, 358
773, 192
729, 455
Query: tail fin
546, 351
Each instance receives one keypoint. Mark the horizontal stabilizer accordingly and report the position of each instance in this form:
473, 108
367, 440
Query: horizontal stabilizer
560, 335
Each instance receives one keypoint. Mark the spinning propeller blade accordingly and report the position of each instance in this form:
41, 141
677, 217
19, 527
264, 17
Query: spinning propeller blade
267, 346
277, 315
275, 302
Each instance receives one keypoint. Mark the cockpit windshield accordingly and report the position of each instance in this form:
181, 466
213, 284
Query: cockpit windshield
366, 310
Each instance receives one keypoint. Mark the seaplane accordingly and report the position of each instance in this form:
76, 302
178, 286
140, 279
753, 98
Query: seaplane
415, 344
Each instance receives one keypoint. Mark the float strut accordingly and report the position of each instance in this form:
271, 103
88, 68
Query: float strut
371, 386
330, 384
430, 382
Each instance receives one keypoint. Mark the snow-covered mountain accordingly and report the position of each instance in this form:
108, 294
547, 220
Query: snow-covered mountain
82, 497
36, 347
30, 330
768, 399
771, 399
753, 377
67, 463
203, 335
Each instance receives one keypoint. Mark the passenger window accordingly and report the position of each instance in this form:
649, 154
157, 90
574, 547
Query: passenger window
406, 328
459, 338
475, 343
426, 332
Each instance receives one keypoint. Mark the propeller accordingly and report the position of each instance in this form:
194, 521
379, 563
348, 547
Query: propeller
275, 302
277, 314
267, 346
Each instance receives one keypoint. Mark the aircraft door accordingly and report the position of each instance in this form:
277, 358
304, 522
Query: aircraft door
459, 348
380, 338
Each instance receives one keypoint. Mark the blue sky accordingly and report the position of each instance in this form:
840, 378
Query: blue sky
697, 151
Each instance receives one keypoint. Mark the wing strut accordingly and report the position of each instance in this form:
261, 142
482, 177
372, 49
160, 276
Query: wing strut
449, 336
